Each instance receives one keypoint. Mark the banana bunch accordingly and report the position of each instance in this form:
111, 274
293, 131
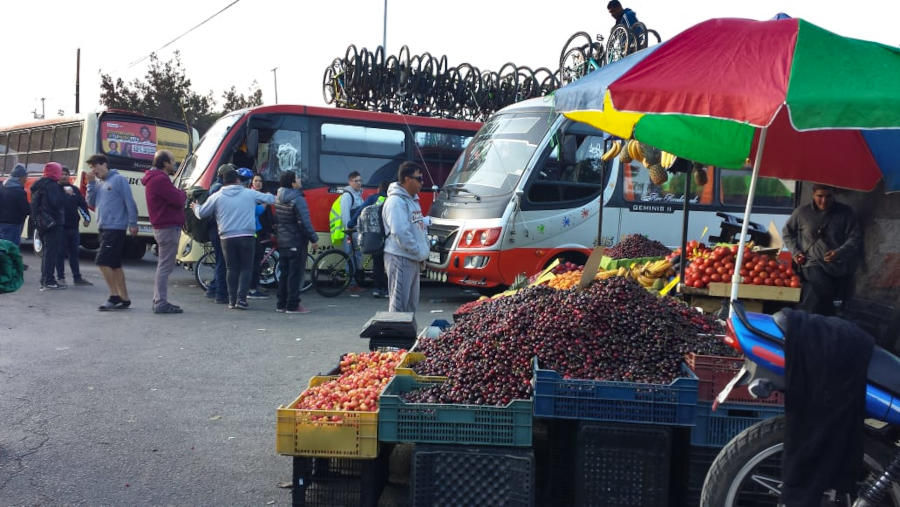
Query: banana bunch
651, 273
609, 273
667, 160
634, 150
613, 150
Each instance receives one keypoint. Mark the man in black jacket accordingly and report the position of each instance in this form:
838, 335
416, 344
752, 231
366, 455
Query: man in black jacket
75, 208
824, 239
14, 206
295, 231
48, 213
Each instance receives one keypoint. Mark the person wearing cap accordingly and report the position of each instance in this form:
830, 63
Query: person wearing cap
48, 212
76, 209
110, 194
218, 288
14, 208
165, 203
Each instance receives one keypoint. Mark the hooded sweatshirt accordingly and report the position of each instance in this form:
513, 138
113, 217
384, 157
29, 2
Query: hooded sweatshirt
116, 209
165, 202
49, 201
13, 202
235, 209
403, 222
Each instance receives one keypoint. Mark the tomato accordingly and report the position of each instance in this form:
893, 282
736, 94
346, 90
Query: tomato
795, 284
768, 281
756, 280
729, 265
773, 264
721, 270
705, 279
744, 272
779, 282
715, 277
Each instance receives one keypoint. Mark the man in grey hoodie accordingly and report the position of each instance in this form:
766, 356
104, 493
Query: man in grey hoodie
235, 210
14, 206
406, 246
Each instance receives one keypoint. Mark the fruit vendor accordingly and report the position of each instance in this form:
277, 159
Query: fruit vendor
824, 238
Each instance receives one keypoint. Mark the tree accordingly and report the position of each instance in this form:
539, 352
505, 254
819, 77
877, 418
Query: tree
166, 92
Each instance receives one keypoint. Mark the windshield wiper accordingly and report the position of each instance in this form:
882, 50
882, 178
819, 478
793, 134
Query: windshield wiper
466, 190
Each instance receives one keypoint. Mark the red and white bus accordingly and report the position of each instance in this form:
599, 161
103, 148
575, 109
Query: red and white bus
128, 139
324, 145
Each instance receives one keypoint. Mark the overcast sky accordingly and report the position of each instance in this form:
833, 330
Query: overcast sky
301, 37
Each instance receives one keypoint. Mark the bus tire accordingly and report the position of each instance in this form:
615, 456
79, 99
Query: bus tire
135, 249
90, 242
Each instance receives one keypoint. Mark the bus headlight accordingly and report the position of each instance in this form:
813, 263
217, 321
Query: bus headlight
470, 236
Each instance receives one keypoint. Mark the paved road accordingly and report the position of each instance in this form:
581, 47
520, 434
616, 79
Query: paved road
132, 408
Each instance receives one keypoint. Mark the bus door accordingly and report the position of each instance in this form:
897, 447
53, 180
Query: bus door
274, 143
557, 211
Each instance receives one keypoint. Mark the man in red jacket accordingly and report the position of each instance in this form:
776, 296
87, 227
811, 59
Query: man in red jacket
166, 206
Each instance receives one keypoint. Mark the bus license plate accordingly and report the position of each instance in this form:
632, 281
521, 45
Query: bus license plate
434, 257
146, 229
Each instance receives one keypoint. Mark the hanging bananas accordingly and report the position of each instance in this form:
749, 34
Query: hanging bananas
634, 150
667, 160
613, 150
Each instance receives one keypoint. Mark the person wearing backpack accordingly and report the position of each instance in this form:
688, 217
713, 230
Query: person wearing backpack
341, 220
406, 246
295, 232
48, 202
370, 225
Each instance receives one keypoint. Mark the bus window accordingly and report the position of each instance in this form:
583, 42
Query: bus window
770, 192
375, 152
437, 152
3, 139
59, 138
281, 150
75, 136
638, 187
577, 176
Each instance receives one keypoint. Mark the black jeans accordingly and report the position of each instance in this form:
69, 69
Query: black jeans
820, 290
259, 250
378, 270
238, 265
71, 241
293, 271
53, 244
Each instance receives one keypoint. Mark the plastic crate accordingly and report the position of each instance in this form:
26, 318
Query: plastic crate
622, 465
439, 423
390, 325
406, 368
715, 372
699, 461
715, 429
308, 433
464, 475
596, 400
338, 482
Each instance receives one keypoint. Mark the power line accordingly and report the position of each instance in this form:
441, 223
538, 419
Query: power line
198, 25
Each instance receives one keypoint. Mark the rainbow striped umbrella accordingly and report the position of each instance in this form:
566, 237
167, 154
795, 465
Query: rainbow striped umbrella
828, 105
796, 100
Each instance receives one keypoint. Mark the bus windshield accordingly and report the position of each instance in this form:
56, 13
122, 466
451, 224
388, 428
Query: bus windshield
206, 150
497, 156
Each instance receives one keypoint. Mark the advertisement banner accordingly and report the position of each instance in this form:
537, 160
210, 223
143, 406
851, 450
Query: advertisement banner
141, 140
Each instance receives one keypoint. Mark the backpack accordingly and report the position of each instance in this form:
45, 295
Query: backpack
196, 228
371, 228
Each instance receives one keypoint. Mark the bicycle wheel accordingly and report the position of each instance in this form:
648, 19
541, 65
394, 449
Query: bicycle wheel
307, 278
577, 40
573, 66
270, 271
331, 273
618, 44
205, 269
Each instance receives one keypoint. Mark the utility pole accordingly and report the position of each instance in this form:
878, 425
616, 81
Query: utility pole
384, 32
275, 76
77, 81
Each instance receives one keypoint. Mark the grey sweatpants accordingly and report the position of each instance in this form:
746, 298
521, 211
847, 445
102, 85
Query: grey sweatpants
167, 247
403, 283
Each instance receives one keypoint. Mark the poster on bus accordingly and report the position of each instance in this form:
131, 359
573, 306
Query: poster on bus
141, 140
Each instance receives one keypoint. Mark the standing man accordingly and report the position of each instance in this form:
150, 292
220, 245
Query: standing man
110, 195
406, 246
48, 204
166, 206
218, 289
14, 206
623, 16
341, 221
824, 239
295, 231
235, 210
75, 209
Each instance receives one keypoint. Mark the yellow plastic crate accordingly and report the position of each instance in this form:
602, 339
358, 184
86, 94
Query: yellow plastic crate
299, 433
411, 359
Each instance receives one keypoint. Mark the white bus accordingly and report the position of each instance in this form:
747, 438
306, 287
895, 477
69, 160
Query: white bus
526, 191
128, 139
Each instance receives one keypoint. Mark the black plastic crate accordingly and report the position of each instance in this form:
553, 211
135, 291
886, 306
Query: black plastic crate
622, 465
554, 447
469, 475
338, 482
390, 325
699, 460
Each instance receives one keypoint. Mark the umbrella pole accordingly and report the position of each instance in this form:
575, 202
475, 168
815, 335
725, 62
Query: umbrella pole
600, 208
684, 226
736, 277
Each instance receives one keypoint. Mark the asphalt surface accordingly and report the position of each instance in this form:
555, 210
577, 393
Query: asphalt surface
133, 408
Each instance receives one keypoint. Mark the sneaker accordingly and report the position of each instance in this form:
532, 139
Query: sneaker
298, 309
52, 286
222, 302
61, 282
167, 307
280, 310
231, 306
82, 282
114, 305
242, 305
257, 294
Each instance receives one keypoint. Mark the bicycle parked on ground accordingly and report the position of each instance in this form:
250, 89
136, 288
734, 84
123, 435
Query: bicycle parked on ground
205, 267
332, 270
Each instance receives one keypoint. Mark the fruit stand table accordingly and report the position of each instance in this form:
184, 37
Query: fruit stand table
710, 298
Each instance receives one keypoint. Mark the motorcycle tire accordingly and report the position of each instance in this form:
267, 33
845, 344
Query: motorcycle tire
747, 471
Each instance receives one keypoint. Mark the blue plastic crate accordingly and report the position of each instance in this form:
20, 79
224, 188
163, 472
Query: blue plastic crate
715, 429
596, 400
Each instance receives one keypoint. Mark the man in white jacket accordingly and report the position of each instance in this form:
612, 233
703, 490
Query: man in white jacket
406, 246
